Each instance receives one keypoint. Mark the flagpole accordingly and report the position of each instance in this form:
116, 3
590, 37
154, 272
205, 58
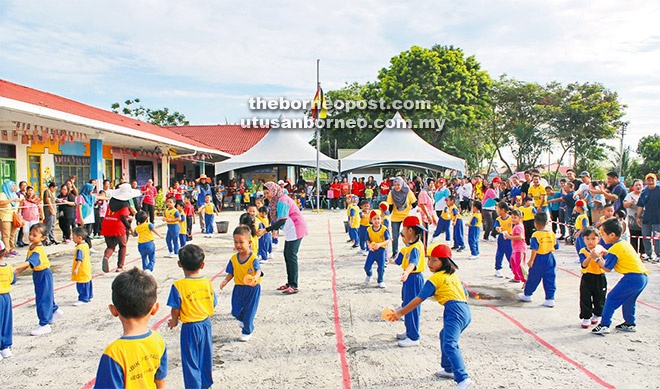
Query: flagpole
318, 130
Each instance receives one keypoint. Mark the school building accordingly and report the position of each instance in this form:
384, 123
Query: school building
44, 137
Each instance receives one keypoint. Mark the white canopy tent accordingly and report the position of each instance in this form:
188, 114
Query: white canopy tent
399, 146
278, 147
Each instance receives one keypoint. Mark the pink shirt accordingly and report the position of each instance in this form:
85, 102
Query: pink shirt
425, 199
519, 246
31, 211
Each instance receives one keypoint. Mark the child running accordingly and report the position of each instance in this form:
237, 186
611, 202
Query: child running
378, 236
502, 225
354, 222
518, 246
364, 225
446, 288
265, 251
42, 277
210, 211
542, 264
192, 301
411, 260
474, 229
7, 279
139, 358
81, 272
244, 268
593, 283
622, 258
145, 233
189, 210
183, 224
449, 214
172, 218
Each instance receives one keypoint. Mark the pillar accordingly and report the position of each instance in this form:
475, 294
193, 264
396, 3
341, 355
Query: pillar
165, 177
96, 161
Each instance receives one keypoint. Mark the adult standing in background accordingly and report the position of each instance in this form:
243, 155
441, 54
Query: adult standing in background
203, 189
465, 193
66, 204
630, 203
524, 188
8, 202
149, 201
440, 196
401, 200
570, 176
137, 203
345, 191
50, 212
649, 205
285, 214
335, 187
384, 189
491, 197
516, 189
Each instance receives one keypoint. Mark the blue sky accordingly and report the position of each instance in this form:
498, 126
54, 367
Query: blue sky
206, 58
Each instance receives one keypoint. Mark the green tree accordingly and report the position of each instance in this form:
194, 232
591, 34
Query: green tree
648, 149
160, 117
581, 117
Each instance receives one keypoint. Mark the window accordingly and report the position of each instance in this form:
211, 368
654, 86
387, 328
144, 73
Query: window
69, 165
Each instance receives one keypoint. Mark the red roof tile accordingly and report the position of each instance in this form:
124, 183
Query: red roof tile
32, 96
231, 139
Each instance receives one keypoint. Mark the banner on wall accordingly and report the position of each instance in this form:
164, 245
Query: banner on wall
143, 173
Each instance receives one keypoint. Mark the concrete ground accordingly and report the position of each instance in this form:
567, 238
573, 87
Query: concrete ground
331, 335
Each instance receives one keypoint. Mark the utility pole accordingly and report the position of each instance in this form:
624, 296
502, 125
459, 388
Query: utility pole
623, 132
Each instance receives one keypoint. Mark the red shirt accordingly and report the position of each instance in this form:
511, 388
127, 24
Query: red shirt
178, 193
384, 188
355, 189
336, 188
345, 188
189, 209
361, 188
149, 195
112, 225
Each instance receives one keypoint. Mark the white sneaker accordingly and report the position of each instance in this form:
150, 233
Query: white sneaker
549, 303
365, 252
56, 315
523, 297
270, 255
586, 323
262, 261
6, 353
466, 383
245, 338
41, 330
474, 257
381, 285
169, 255
367, 280
92, 251
401, 336
78, 303
498, 274
407, 342
595, 319
442, 373
240, 324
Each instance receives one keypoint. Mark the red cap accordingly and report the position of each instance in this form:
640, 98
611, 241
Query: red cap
383, 206
497, 179
580, 203
373, 213
412, 221
442, 180
439, 250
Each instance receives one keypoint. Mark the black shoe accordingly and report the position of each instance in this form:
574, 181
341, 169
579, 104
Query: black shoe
20, 244
601, 330
394, 255
561, 238
54, 242
355, 245
460, 249
626, 327
454, 248
349, 241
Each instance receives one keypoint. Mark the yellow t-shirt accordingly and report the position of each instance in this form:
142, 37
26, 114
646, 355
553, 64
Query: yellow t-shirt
38, 258
6, 278
537, 193
364, 218
379, 236
194, 298
447, 287
592, 267
449, 212
505, 224
623, 259
85, 270
138, 357
527, 212
183, 227
144, 232
240, 270
398, 215
172, 214
254, 243
582, 221
544, 242
476, 220
406, 251
262, 222
355, 220
209, 208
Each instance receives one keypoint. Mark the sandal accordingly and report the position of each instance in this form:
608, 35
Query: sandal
290, 290
283, 287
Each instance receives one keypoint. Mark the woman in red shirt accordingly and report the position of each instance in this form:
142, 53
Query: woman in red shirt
384, 189
361, 188
355, 188
345, 190
336, 191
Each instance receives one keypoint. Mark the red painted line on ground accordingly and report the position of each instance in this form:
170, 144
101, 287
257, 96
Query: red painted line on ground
563, 356
577, 275
341, 347
91, 383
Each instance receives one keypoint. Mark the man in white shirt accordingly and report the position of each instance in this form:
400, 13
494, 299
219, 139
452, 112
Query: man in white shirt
465, 193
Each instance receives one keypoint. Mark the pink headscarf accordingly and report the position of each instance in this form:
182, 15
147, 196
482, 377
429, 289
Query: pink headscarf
275, 193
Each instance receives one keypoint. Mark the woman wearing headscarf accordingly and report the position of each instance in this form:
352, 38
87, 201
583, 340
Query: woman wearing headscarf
8, 203
490, 200
85, 208
401, 199
203, 189
116, 223
285, 214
